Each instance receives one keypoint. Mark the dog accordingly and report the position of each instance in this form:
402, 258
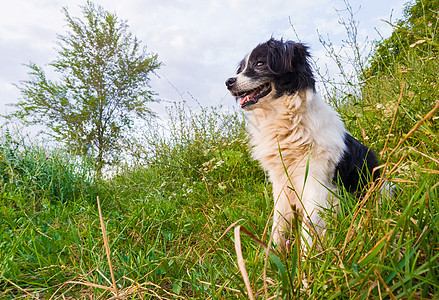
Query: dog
299, 139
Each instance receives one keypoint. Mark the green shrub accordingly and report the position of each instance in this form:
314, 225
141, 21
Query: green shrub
37, 173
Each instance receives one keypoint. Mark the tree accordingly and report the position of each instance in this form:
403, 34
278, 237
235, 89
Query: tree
103, 86
416, 32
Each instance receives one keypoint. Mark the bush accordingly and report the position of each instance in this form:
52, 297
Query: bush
38, 174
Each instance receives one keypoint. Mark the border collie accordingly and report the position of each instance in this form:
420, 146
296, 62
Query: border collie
297, 137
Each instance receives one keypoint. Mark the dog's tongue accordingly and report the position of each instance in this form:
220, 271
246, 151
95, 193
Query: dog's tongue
243, 100
247, 97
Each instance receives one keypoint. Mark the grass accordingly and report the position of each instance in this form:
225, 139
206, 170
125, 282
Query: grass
169, 218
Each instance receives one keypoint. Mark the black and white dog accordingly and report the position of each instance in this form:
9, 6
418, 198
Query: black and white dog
293, 130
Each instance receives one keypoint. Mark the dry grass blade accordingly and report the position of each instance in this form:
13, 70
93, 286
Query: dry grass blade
107, 247
72, 285
220, 286
385, 285
94, 285
378, 246
21, 289
142, 288
241, 262
429, 115
424, 155
258, 241
105, 277
216, 242
393, 120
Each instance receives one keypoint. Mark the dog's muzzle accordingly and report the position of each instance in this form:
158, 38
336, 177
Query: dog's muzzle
248, 97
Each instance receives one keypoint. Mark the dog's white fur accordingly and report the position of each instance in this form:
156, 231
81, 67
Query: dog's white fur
287, 133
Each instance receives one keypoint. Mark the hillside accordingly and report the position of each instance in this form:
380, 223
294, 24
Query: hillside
169, 218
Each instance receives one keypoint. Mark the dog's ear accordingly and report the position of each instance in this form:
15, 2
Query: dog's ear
289, 61
276, 58
285, 57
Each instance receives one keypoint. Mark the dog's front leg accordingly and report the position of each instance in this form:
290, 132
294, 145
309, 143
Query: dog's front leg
282, 216
315, 198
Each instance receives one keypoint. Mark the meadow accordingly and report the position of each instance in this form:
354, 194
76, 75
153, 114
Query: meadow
169, 218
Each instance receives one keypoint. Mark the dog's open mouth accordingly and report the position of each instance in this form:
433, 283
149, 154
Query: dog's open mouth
253, 96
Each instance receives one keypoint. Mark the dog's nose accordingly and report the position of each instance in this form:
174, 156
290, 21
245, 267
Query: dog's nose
230, 82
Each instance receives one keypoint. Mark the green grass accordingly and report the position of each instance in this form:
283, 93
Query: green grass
168, 217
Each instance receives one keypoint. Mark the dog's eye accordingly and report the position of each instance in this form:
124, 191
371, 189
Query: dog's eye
260, 64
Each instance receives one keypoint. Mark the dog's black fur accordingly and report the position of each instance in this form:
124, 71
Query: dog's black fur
356, 168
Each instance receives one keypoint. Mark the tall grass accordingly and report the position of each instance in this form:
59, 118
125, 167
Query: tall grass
40, 173
169, 218
162, 217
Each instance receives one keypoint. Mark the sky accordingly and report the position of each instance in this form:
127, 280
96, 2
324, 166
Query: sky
199, 42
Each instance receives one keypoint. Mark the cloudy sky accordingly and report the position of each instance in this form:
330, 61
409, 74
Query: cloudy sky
199, 42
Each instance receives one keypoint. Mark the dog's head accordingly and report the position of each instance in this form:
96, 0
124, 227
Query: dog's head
271, 70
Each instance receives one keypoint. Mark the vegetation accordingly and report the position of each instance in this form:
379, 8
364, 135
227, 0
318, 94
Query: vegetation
103, 86
169, 218
415, 34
